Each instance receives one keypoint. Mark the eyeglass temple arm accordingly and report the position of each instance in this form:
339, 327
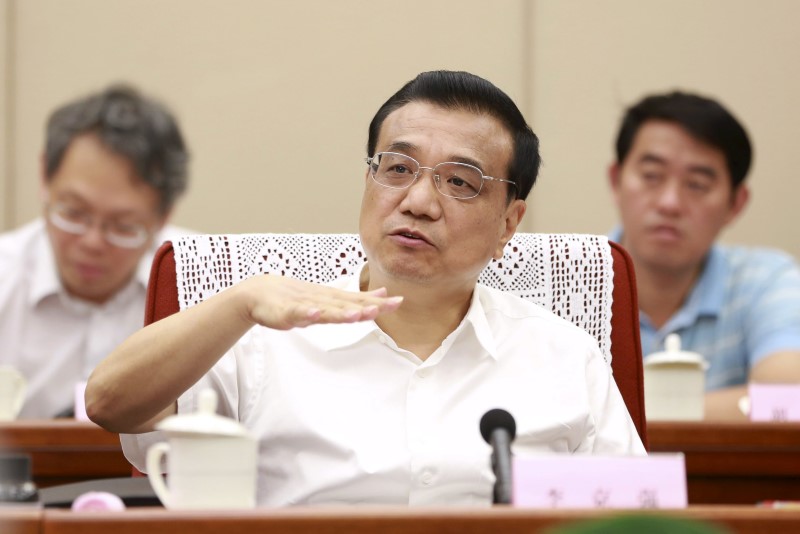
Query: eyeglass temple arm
501, 180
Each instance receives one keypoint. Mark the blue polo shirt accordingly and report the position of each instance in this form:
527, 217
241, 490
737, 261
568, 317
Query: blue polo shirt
744, 306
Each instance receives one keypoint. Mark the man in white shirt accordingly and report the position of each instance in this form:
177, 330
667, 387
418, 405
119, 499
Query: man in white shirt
370, 390
72, 283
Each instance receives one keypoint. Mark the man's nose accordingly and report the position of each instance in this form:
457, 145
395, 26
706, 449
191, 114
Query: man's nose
423, 197
426, 180
669, 196
94, 236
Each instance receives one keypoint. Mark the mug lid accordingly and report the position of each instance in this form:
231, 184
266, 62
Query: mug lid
204, 421
673, 354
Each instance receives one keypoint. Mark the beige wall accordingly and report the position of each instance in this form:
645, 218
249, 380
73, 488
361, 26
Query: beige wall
5, 124
275, 96
593, 58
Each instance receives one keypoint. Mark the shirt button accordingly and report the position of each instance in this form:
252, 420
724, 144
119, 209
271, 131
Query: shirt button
383, 339
424, 373
426, 478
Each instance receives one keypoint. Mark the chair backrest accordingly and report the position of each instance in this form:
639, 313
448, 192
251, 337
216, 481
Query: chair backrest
584, 278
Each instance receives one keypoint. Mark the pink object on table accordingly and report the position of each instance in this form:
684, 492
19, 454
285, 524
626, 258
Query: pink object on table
98, 501
774, 402
584, 481
80, 403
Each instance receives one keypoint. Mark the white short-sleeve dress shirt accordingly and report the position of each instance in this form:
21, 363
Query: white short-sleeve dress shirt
52, 338
343, 415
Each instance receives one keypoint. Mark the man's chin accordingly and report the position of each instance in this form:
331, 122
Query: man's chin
657, 248
91, 292
406, 273
665, 262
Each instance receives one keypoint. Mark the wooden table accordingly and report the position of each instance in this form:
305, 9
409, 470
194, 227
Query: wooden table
23, 520
726, 463
65, 450
396, 520
734, 463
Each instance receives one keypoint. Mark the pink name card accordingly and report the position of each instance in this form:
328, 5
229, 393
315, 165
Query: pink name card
578, 481
774, 402
80, 403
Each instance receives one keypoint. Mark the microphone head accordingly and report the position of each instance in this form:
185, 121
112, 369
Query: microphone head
497, 418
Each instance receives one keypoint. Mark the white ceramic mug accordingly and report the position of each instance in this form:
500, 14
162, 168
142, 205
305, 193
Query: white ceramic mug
674, 383
12, 392
205, 472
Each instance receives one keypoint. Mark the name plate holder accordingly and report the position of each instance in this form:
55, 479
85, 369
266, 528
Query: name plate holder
583, 481
774, 402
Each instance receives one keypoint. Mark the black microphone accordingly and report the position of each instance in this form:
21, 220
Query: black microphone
499, 430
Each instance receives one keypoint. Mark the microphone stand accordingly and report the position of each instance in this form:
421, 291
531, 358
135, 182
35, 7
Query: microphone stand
501, 465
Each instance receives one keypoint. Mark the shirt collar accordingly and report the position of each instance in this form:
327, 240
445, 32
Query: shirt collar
615, 235
142, 274
338, 336
476, 316
45, 281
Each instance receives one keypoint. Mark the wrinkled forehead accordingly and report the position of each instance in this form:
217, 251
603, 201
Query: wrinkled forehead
454, 134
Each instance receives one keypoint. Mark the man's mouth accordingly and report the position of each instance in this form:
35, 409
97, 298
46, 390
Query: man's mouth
665, 231
414, 236
89, 270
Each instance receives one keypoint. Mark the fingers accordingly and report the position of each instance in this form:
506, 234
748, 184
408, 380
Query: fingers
283, 303
380, 292
349, 311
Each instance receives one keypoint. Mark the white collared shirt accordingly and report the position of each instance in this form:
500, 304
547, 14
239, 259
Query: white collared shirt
343, 415
52, 338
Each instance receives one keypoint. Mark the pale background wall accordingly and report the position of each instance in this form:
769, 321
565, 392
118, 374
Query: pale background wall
275, 96
5, 125
590, 59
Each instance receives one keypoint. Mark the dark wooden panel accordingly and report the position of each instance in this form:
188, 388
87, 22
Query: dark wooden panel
734, 463
22, 520
65, 450
354, 520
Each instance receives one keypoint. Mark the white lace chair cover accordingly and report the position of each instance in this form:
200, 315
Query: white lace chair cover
569, 274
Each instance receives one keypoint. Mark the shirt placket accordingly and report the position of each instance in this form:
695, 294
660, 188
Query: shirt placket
422, 425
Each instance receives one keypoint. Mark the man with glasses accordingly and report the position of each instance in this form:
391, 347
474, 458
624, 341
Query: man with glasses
72, 284
371, 389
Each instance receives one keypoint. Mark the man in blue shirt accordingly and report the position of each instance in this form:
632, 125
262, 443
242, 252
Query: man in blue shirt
678, 181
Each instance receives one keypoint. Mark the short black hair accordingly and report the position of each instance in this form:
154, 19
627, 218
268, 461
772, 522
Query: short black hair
462, 90
703, 118
137, 128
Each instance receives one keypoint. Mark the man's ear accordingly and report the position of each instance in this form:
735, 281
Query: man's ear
44, 185
513, 216
615, 180
739, 201
613, 175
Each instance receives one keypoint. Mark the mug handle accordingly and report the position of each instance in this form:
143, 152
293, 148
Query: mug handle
153, 464
22, 388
